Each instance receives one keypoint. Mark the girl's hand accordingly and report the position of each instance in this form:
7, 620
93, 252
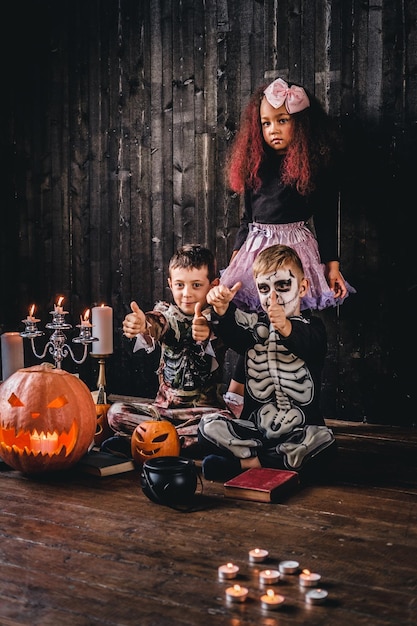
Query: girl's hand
135, 322
335, 279
220, 296
200, 328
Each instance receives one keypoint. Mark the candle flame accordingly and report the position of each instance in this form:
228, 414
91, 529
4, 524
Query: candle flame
306, 572
31, 310
236, 587
86, 315
60, 300
270, 593
267, 572
230, 565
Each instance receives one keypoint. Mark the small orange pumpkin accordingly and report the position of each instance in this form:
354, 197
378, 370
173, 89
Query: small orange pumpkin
153, 438
103, 430
47, 419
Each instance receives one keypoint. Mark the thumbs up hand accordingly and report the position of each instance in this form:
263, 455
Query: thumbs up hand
135, 322
277, 316
200, 327
220, 296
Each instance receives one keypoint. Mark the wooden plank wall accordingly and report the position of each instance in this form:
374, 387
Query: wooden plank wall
118, 118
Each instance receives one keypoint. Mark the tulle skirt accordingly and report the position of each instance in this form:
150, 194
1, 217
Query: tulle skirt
298, 236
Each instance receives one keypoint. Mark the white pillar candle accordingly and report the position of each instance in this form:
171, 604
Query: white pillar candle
102, 320
11, 353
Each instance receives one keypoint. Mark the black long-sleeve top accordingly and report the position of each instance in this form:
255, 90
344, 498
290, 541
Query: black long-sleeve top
275, 203
285, 366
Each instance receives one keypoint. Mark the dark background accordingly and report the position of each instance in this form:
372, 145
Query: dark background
117, 117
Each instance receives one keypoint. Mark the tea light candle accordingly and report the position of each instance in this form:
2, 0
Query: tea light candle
309, 579
102, 319
269, 577
316, 596
257, 555
12, 358
228, 571
271, 600
236, 593
288, 567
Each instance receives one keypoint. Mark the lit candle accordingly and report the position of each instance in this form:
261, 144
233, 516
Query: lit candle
316, 596
30, 321
85, 321
288, 567
12, 358
309, 579
269, 577
30, 317
257, 555
102, 319
228, 571
58, 307
271, 600
236, 593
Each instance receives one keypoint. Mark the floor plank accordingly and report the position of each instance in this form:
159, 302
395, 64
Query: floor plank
79, 550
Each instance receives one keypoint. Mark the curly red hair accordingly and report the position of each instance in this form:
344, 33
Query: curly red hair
314, 140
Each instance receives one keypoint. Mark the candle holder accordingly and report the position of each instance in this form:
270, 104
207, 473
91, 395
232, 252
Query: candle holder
57, 345
101, 379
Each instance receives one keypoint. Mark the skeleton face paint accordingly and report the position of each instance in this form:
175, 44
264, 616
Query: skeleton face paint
285, 285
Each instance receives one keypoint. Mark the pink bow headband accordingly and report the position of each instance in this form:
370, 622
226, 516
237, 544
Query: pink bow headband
294, 98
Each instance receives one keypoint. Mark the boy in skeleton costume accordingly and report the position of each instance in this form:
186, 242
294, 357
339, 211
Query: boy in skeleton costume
281, 424
190, 371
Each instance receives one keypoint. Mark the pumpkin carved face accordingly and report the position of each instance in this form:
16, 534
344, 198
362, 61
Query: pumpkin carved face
154, 438
103, 430
47, 419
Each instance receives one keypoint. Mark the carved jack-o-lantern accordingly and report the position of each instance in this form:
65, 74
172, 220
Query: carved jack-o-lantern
154, 438
47, 419
103, 430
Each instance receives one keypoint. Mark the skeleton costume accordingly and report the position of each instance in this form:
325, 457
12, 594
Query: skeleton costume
281, 421
190, 375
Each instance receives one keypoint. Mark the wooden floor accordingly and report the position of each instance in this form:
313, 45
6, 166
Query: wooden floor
77, 550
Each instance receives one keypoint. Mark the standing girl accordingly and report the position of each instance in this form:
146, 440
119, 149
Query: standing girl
285, 162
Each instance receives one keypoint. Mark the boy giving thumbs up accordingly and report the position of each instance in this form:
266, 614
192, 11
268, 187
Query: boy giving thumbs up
190, 372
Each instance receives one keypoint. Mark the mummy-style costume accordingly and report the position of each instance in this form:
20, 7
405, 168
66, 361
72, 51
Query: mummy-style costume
281, 421
190, 375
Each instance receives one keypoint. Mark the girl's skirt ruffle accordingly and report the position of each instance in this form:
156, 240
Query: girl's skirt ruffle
299, 237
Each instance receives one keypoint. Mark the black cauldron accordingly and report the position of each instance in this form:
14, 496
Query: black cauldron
170, 480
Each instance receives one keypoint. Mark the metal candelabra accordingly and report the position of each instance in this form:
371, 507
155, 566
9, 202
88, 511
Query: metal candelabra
57, 345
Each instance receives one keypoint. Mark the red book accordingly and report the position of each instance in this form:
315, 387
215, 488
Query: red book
262, 484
